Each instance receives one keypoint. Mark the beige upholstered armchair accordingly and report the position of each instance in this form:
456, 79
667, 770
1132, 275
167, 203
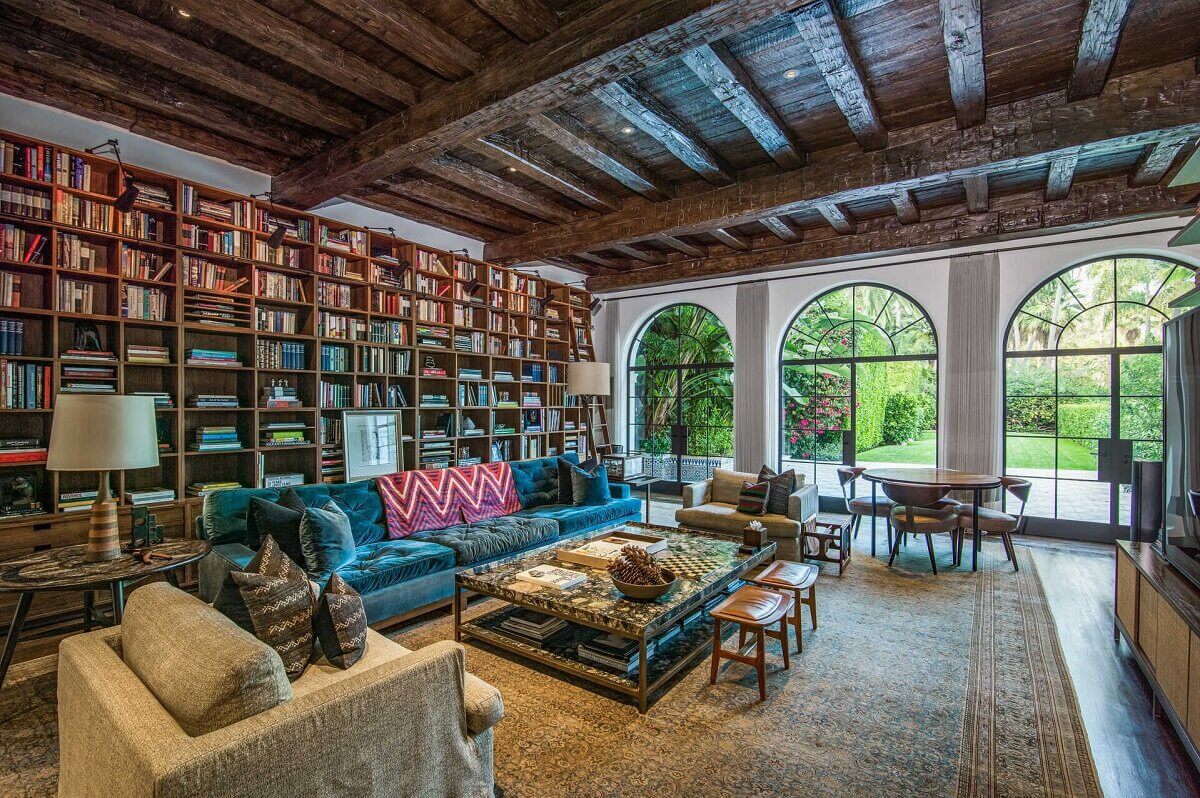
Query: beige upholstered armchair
712, 505
178, 701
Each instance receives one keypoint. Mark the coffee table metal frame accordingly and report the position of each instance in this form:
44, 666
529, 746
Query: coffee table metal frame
693, 643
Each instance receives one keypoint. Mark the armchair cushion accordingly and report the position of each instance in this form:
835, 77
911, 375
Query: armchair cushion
727, 485
697, 493
204, 670
782, 486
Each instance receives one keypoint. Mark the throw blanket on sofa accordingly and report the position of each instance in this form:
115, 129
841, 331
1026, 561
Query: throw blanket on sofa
415, 501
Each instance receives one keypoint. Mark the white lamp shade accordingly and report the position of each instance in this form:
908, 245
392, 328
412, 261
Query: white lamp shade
102, 433
589, 379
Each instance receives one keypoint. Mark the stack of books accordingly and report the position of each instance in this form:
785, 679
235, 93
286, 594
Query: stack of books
88, 387
279, 395
434, 400
214, 400
282, 480
73, 500
283, 433
145, 353
149, 495
500, 375
212, 357
88, 354
470, 374
614, 652
208, 488
532, 627
215, 439
162, 399
21, 450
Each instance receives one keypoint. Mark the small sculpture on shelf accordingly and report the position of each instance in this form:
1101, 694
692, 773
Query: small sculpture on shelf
87, 337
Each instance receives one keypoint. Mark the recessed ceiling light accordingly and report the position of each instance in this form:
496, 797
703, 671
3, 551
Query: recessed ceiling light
626, 130
183, 12
791, 74
512, 168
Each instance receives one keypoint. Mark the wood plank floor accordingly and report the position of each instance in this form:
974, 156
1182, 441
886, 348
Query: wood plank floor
1136, 754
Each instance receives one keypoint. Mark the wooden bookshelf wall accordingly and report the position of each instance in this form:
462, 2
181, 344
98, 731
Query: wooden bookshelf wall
361, 329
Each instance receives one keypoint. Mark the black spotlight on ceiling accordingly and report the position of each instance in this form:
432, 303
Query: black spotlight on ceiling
275, 240
129, 192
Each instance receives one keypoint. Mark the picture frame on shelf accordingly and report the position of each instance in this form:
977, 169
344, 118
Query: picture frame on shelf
372, 441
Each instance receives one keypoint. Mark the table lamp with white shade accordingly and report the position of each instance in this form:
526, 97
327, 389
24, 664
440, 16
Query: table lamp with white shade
104, 433
589, 380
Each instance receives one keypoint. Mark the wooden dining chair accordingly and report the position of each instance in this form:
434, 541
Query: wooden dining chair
859, 506
997, 522
917, 512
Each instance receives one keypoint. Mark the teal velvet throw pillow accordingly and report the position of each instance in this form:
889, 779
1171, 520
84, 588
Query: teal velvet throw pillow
589, 488
327, 540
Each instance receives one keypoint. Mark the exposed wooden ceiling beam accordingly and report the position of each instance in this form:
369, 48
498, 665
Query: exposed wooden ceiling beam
728, 80
268, 30
1102, 26
730, 239
576, 138
1062, 174
655, 120
906, 207
838, 218
1092, 204
976, 186
531, 164
822, 33
528, 20
614, 37
1134, 111
598, 260
411, 209
585, 269
962, 33
640, 254
461, 173
466, 205
1155, 162
679, 245
104, 23
780, 228
400, 27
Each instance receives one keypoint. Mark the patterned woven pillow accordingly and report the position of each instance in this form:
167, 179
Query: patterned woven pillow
280, 605
753, 498
341, 623
782, 486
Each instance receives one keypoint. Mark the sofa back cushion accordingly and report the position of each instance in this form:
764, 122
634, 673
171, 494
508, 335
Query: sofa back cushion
206, 671
537, 480
225, 511
727, 485
417, 501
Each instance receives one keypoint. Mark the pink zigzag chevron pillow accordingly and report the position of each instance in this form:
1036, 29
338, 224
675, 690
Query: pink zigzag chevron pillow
415, 501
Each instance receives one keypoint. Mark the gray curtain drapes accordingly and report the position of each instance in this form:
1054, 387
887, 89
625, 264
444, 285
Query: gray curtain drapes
750, 413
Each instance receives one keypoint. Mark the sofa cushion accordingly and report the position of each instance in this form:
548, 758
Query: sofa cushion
278, 519
200, 666
326, 539
753, 498
419, 501
269, 560
494, 537
782, 486
721, 517
390, 562
225, 511
572, 519
363, 506
727, 485
537, 480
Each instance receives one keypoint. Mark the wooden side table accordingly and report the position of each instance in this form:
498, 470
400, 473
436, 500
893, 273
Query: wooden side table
65, 568
831, 543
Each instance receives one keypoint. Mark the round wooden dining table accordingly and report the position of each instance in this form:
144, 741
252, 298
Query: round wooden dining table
957, 480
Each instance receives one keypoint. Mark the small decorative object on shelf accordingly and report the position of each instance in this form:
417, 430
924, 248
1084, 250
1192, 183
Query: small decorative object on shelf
623, 466
754, 537
638, 576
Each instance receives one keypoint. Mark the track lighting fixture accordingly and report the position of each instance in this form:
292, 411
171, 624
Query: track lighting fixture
129, 192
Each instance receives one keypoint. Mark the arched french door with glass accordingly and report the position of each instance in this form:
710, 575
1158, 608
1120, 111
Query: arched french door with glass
681, 395
1083, 387
858, 384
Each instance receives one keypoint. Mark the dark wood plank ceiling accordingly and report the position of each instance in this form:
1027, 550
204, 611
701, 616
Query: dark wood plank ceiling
558, 128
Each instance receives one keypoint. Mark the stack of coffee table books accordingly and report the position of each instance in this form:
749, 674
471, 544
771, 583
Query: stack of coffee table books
536, 628
614, 652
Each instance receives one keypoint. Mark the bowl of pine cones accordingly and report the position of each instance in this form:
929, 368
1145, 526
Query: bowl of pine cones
638, 576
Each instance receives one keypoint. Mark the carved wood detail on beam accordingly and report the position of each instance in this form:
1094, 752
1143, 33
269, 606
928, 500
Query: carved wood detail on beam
655, 120
1102, 25
962, 33
400, 27
513, 155
1155, 161
1091, 204
729, 82
466, 205
906, 207
122, 31
482, 182
821, 30
730, 239
528, 20
1062, 174
838, 218
976, 187
679, 245
780, 228
576, 138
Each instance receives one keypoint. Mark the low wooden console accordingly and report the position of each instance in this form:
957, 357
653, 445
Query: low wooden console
1158, 613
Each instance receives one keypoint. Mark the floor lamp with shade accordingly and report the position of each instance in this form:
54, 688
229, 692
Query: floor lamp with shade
589, 381
102, 433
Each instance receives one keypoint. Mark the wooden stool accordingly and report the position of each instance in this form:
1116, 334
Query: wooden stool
800, 578
753, 609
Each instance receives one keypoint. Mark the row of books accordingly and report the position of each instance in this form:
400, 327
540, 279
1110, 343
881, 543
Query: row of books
274, 320
76, 296
273, 285
234, 212
266, 222
19, 244
32, 203
279, 354
280, 256
13, 288
223, 242
24, 386
333, 325
336, 266
392, 332
143, 264
334, 294
203, 273
32, 161
353, 241
144, 302
12, 337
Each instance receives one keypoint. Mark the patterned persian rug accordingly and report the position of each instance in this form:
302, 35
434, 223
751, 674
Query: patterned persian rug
913, 685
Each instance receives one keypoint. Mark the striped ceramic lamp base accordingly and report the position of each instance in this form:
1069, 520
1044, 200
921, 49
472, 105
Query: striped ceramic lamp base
104, 541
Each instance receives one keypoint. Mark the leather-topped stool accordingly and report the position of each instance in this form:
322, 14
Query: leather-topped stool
754, 609
801, 579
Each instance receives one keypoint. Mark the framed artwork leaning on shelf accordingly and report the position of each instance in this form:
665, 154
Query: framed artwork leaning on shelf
372, 443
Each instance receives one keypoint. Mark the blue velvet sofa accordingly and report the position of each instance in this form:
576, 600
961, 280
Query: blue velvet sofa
396, 577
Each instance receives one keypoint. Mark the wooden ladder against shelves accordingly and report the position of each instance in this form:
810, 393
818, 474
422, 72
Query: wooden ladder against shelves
598, 433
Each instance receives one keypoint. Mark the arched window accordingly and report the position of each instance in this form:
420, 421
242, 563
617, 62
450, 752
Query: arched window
858, 380
1083, 383
681, 394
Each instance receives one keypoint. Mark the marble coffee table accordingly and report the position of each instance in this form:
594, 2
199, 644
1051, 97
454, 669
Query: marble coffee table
597, 606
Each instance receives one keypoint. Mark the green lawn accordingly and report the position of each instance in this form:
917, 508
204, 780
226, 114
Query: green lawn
923, 450
1022, 453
